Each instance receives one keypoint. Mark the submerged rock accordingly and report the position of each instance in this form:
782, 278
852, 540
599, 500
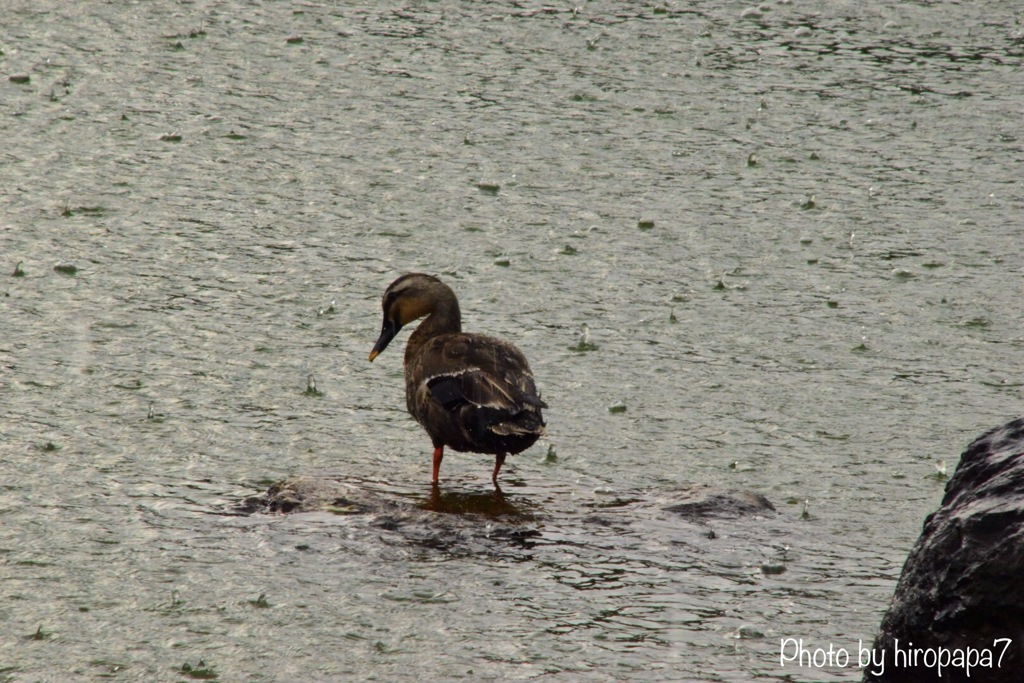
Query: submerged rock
309, 494
470, 524
328, 494
699, 502
958, 610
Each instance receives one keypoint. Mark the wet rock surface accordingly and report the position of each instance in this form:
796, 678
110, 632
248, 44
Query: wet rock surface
960, 595
454, 522
315, 494
707, 521
311, 494
700, 502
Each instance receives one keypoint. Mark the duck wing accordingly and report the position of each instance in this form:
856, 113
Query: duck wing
480, 392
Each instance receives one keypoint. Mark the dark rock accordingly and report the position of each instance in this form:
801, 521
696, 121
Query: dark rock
699, 502
308, 494
960, 595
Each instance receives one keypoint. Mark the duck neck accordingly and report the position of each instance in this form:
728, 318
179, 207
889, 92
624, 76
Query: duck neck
444, 318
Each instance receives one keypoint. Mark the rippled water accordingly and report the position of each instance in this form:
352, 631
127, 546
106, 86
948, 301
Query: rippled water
793, 231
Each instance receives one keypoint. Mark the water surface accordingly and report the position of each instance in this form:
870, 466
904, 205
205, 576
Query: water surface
794, 234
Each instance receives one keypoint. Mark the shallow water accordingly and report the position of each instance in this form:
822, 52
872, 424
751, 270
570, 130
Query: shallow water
235, 185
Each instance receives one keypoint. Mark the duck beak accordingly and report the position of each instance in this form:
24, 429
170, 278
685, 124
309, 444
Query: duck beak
387, 333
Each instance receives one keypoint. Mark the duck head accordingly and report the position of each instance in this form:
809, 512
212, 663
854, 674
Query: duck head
413, 296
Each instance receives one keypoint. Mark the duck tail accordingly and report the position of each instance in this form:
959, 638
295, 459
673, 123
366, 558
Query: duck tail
524, 423
514, 430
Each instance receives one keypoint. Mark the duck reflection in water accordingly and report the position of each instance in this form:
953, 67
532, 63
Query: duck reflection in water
488, 504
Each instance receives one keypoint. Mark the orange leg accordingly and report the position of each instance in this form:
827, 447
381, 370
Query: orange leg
499, 460
438, 457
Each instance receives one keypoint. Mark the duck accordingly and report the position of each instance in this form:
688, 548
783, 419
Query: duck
470, 392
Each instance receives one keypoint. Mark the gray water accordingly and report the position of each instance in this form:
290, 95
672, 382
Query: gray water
794, 233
